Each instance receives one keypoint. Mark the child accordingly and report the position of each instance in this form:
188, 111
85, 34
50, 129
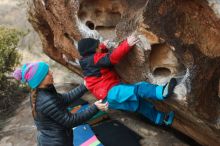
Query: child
104, 83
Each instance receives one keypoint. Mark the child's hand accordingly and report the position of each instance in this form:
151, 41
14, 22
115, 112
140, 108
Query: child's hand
84, 83
132, 40
106, 42
101, 106
110, 44
103, 47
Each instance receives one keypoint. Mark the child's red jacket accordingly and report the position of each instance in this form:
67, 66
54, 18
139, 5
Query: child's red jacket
98, 69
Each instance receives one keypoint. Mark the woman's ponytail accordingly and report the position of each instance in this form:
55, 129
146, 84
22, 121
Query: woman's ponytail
33, 102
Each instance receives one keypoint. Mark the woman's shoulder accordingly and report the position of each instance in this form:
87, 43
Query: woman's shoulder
45, 99
44, 96
49, 91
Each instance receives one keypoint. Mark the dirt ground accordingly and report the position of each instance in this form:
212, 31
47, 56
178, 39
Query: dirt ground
18, 129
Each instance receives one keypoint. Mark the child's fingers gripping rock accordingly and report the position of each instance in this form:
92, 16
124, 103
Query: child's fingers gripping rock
132, 40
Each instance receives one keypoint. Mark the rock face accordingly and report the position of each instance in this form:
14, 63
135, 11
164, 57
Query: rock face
185, 43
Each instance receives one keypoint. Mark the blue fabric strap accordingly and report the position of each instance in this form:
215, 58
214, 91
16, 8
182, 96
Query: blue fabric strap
159, 92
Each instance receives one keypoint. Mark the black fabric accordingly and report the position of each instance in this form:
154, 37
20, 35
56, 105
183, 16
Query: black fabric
53, 121
171, 85
104, 61
87, 46
114, 133
88, 67
91, 69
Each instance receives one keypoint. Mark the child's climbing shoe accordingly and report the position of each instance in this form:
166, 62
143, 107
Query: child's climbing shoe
168, 120
169, 87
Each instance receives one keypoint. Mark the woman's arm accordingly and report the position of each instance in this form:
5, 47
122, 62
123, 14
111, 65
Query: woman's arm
52, 108
74, 94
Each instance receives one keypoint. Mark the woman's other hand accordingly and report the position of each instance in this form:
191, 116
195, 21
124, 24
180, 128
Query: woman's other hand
101, 106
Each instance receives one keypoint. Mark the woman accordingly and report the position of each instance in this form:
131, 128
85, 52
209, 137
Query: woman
54, 123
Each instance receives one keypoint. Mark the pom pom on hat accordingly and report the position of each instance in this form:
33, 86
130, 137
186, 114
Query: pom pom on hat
17, 74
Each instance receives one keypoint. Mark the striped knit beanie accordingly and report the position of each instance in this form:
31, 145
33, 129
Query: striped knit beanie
32, 73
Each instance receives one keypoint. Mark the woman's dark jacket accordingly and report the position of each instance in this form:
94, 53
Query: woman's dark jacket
54, 123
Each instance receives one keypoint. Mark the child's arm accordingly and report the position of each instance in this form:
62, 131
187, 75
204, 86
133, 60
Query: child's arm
108, 59
123, 49
119, 52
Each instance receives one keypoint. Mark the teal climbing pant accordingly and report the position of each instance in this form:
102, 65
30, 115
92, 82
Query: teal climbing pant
132, 97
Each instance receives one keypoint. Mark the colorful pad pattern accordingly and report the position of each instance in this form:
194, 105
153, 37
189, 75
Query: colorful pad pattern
84, 136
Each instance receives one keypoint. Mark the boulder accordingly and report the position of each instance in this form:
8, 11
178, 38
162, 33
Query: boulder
184, 36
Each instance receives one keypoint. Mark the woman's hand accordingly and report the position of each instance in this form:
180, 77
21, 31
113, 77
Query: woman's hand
101, 106
132, 40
